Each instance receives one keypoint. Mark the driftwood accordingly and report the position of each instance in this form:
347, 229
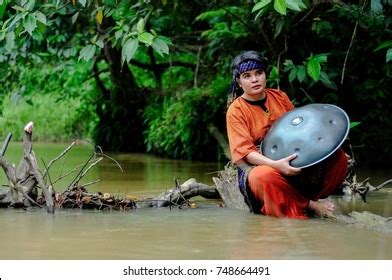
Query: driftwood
26, 181
227, 186
352, 187
24, 184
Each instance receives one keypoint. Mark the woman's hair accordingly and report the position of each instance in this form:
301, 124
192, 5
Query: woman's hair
243, 62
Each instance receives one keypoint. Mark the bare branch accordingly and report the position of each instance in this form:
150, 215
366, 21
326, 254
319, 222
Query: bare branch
57, 158
347, 53
117, 163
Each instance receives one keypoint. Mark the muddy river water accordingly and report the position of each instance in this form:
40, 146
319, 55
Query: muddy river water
206, 232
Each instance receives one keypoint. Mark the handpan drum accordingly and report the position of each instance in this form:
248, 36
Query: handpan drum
313, 132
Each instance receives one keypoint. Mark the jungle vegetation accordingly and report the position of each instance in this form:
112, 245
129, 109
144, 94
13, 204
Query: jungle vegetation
152, 76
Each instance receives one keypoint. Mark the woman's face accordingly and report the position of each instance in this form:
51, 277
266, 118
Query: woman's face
253, 83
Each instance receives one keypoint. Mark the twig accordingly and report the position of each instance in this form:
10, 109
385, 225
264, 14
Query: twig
117, 163
197, 67
68, 173
47, 168
280, 54
29, 198
87, 169
307, 95
90, 183
80, 172
179, 189
57, 158
382, 185
307, 14
347, 53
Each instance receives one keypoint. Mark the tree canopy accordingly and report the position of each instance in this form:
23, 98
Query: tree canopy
162, 68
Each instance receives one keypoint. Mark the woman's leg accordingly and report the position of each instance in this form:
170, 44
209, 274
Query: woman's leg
334, 174
277, 196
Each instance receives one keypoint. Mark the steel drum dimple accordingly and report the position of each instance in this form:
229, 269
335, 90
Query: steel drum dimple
313, 132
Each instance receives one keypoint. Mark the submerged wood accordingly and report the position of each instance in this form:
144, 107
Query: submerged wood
180, 195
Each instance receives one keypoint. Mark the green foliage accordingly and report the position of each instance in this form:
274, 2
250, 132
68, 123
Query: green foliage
319, 51
43, 20
384, 45
57, 97
55, 120
279, 6
177, 125
354, 124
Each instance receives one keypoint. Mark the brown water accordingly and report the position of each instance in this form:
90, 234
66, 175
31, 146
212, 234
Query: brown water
207, 232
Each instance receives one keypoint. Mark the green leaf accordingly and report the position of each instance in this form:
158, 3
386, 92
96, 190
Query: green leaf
18, 8
383, 45
146, 38
288, 63
41, 27
313, 68
302, 4
301, 73
10, 41
260, 5
354, 124
293, 5
321, 58
83, 2
160, 46
75, 17
29, 5
280, 6
324, 78
118, 34
129, 49
293, 74
40, 17
376, 6
389, 55
3, 6
262, 12
278, 27
30, 23
87, 52
140, 26
38, 36
100, 43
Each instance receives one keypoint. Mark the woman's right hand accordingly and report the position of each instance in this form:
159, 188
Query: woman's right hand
284, 167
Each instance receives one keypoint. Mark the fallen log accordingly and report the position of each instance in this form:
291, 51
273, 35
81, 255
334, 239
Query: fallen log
25, 182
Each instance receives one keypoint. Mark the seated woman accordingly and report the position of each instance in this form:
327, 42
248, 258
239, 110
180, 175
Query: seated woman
271, 187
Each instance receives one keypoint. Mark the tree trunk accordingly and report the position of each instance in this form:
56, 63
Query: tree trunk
120, 126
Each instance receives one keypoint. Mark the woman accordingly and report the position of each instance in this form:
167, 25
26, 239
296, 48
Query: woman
270, 186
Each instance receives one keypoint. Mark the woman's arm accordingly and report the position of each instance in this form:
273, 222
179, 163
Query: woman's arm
282, 165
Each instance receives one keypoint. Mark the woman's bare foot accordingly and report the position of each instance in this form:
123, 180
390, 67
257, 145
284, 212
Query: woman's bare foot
322, 207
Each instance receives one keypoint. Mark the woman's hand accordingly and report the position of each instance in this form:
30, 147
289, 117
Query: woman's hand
284, 167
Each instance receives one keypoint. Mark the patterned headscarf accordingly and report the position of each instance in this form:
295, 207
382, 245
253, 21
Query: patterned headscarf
246, 65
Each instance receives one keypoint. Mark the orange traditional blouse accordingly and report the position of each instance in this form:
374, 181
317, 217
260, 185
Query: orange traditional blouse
247, 124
